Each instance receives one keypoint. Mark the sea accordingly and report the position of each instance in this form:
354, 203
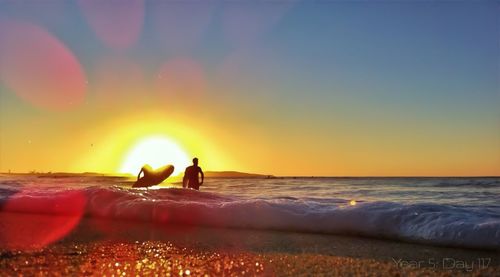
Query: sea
453, 212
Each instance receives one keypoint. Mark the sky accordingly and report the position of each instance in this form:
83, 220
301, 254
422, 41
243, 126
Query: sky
302, 88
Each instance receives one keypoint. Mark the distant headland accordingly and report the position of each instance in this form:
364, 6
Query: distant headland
208, 174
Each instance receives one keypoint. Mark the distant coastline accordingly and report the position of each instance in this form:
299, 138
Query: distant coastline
208, 174
235, 174
227, 174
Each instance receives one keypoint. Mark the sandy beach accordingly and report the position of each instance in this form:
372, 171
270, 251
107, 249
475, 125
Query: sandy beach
124, 248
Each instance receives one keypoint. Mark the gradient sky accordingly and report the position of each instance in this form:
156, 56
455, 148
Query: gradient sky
358, 88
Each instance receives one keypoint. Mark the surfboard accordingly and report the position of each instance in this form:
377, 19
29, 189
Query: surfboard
155, 177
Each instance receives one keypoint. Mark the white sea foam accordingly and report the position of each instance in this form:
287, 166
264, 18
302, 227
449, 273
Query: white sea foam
437, 224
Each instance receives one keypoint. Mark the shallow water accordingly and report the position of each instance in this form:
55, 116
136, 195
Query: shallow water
461, 212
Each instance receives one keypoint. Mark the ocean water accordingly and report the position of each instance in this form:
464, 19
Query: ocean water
457, 212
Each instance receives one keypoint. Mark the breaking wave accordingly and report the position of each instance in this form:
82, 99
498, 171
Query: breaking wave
436, 224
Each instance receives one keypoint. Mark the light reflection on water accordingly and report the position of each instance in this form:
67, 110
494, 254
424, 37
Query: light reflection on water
476, 192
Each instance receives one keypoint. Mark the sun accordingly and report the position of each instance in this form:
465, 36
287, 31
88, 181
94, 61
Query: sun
156, 151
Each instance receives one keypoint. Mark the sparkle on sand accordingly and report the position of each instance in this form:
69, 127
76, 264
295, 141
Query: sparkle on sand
152, 258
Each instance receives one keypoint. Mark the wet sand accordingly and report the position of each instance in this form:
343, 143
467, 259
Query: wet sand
102, 247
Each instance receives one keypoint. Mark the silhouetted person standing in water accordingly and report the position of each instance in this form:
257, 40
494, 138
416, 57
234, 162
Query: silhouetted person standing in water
191, 176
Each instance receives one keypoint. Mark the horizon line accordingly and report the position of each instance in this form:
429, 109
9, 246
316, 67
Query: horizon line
271, 175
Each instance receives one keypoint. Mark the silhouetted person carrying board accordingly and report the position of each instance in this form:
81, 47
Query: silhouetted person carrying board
152, 177
191, 176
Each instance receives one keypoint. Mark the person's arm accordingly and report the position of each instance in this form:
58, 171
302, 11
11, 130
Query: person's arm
184, 180
202, 176
138, 175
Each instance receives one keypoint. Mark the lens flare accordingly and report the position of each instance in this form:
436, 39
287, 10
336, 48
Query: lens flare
32, 221
245, 22
117, 23
180, 24
39, 68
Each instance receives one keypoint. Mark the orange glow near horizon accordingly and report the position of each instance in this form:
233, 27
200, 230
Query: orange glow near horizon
225, 146
155, 151
157, 137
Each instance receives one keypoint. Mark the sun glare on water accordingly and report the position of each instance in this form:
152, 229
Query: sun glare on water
157, 152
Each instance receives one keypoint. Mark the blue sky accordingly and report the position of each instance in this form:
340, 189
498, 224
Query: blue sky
338, 76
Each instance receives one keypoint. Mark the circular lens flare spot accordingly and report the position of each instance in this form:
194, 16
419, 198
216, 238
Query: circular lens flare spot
244, 22
33, 220
117, 23
39, 68
193, 16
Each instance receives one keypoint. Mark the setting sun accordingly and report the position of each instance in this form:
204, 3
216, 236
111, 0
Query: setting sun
155, 151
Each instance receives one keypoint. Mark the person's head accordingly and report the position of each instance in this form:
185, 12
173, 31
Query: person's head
195, 161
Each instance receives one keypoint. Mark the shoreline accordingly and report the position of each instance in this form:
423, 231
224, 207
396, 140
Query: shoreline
96, 246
